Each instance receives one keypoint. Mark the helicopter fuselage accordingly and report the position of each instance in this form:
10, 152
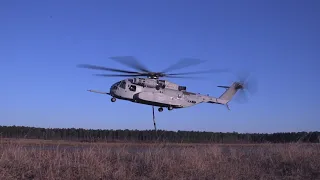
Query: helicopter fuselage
159, 93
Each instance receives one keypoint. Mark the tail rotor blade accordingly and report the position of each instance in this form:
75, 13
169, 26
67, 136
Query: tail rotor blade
243, 76
252, 86
248, 86
241, 97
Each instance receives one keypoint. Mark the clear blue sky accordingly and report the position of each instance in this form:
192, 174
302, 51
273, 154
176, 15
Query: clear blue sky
41, 42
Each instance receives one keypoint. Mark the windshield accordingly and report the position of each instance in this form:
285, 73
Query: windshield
122, 84
117, 84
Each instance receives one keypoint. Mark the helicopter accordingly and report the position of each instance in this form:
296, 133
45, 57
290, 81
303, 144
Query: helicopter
147, 87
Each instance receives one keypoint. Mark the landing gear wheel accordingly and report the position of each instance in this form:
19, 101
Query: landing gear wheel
160, 109
113, 99
170, 108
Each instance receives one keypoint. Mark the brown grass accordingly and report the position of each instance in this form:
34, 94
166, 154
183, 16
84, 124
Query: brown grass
281, 161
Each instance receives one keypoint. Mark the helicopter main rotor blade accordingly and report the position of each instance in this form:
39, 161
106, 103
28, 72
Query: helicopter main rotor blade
118, 75
106, 69
183, 63
184, 77
131, 62
202, 72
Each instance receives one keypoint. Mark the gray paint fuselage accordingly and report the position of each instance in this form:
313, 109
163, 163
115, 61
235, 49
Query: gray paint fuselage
126, 90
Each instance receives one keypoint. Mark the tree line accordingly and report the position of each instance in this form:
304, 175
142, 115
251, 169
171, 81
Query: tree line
104, 135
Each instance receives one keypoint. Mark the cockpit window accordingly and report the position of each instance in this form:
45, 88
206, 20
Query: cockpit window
123, 84
115, 86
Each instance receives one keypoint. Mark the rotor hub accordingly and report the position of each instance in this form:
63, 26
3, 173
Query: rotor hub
247, 86
239, 85
155, 75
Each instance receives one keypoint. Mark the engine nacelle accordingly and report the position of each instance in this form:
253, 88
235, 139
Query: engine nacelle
152, 83
157, 83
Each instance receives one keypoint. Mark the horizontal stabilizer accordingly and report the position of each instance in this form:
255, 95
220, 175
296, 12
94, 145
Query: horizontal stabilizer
224, 87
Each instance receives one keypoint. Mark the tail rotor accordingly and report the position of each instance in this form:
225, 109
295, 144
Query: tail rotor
246, 85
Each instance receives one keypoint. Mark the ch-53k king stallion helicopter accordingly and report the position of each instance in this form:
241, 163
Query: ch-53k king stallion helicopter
158, 92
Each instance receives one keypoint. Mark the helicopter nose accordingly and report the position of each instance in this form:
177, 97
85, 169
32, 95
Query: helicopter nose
113, 89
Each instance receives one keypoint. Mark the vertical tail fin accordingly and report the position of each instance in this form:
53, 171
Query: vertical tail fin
243, 84
230, 92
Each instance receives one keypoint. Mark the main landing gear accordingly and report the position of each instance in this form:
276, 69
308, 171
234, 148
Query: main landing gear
160, 109
113, 99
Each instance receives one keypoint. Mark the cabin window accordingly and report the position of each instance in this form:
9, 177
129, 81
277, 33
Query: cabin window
132, 88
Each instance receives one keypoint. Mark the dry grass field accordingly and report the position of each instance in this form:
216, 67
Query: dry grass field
22, 160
